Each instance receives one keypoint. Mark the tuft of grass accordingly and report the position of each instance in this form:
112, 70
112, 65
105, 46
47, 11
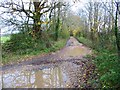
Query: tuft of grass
85, 41
5, 38
58, 45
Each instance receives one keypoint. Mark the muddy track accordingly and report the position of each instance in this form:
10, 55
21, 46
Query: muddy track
70, 61
72, 51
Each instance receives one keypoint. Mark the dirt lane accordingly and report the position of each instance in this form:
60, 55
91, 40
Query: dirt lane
67, 64
72, 50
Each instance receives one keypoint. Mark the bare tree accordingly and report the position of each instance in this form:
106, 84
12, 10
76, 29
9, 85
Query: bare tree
34, 12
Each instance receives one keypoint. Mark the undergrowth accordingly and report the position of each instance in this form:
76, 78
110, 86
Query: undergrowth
107, 65
22, 46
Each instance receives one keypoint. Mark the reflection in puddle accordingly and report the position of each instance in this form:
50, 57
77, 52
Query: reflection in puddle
46, 78
74, 51
0, 80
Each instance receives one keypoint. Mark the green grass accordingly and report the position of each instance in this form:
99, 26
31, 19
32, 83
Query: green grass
108, 67
5, 38
107, 64
21, 55
84, 41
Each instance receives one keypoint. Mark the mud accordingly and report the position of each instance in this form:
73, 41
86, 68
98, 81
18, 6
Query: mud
62, 69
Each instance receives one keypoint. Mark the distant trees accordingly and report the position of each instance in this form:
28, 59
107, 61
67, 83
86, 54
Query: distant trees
73, 23
102, 27
100, 22
96, 21
93, 10
56, 17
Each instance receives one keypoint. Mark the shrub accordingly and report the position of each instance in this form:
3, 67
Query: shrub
108, 69
22, 43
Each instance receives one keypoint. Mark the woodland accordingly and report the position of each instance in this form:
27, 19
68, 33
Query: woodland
44, 26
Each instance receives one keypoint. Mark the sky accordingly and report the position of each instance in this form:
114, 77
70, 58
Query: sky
78, 5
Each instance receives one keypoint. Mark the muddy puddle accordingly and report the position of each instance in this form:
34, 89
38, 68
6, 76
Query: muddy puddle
46, 78
74, 52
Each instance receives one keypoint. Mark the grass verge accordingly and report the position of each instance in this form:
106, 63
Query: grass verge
107, 65
86, 42
21, 55
5, 38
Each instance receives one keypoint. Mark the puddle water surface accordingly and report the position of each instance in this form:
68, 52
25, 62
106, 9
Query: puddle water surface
46, 78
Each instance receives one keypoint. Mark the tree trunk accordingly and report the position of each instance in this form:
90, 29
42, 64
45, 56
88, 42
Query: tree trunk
37, 22
95, 25
58, 22
37, 28
117, 32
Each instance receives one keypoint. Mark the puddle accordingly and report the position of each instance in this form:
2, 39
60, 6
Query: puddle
47, 78
74, 51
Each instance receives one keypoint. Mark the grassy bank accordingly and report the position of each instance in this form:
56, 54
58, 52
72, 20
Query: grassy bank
86, 42
5, 38
22, 47
107, 65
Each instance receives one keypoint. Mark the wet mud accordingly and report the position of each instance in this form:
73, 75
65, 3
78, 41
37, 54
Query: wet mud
66, 68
